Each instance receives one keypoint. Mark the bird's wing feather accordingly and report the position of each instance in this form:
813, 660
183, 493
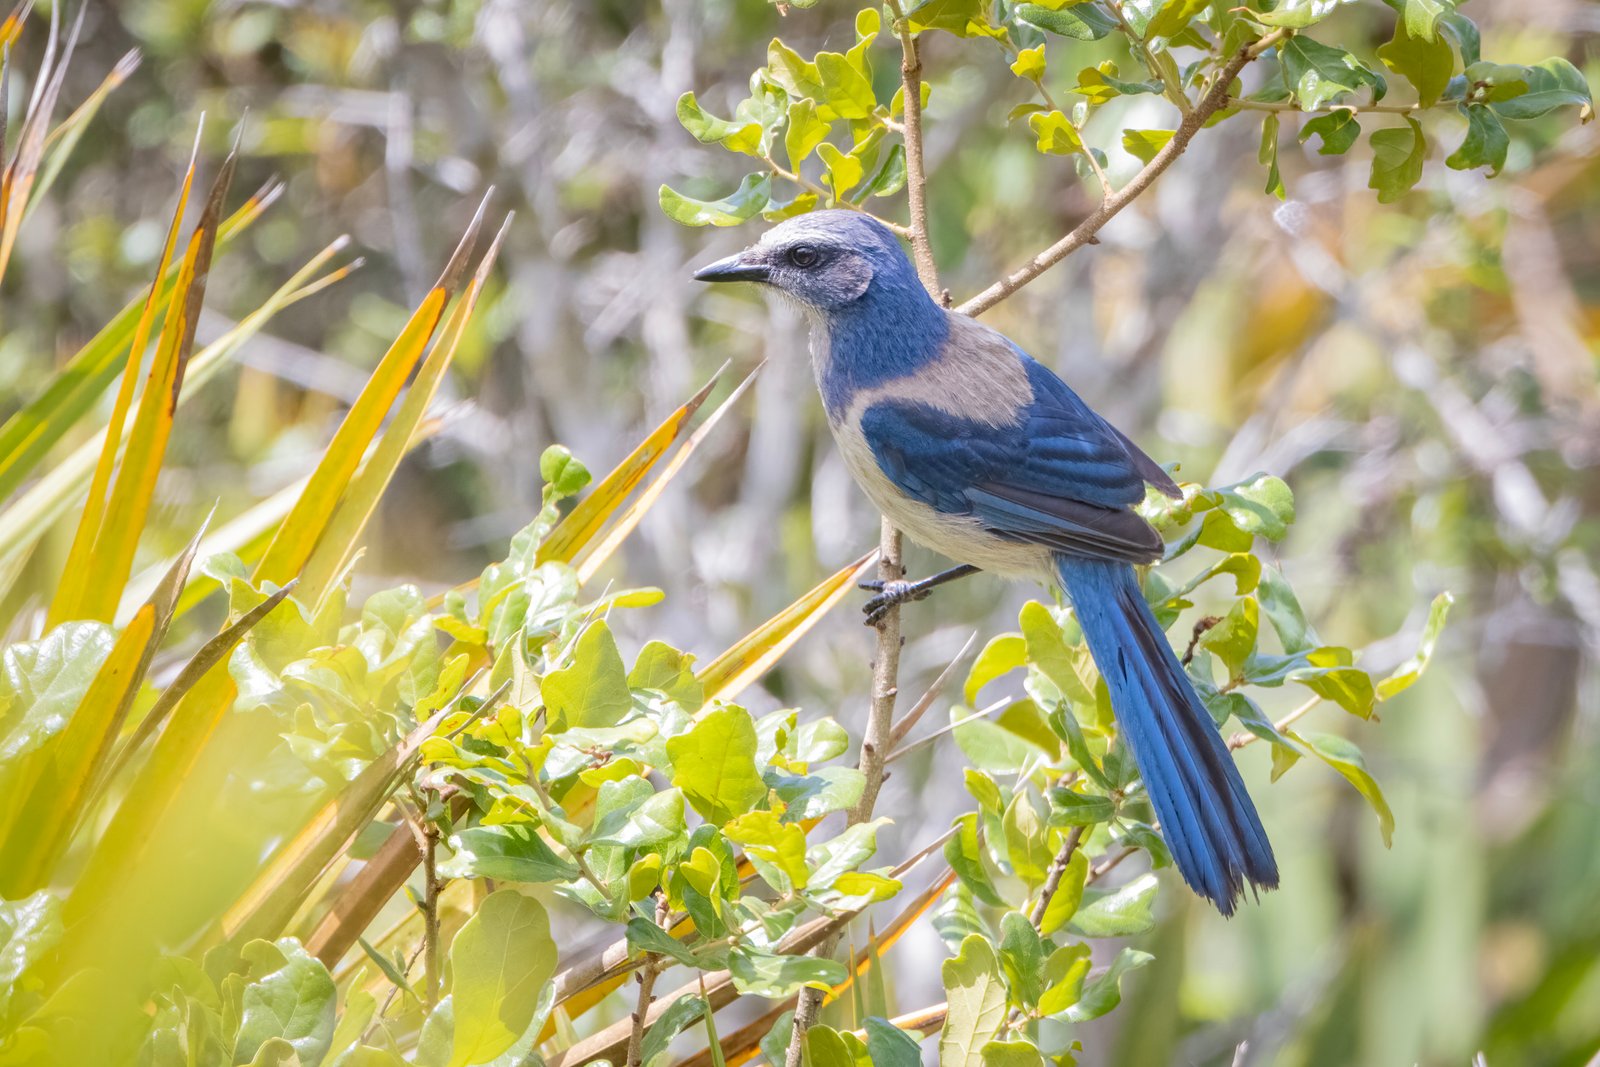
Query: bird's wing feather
1061, 477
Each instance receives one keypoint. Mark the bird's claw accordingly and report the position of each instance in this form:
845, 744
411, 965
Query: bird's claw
890, 595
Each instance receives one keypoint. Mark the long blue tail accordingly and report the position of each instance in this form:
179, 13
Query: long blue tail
1210, 825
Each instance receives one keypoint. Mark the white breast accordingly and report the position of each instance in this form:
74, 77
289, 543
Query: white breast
962, 539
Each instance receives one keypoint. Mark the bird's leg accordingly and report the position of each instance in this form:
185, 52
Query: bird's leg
902, 592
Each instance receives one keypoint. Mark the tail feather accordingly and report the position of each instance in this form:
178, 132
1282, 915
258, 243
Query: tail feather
1211, 826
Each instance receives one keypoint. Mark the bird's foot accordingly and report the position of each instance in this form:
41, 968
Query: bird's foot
891, 595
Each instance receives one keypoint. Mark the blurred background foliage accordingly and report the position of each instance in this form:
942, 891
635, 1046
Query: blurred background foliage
1422, 373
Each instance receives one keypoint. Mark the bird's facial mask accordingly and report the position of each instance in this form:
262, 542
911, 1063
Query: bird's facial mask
817, 273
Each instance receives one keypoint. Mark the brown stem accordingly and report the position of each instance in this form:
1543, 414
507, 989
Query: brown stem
1084, 233
1052, 881
916, 175
427, 836
647, 985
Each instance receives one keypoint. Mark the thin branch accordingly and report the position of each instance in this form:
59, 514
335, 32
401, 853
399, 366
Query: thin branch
1084, 233
916, 174
647, 985
1241, 739
910, 718
906, 750
1052, 882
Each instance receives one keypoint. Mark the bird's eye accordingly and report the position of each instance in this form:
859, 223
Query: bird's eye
803, 256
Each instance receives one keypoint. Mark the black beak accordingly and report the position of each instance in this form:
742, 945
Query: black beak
740, 268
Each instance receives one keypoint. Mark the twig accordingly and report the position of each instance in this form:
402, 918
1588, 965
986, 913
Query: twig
1200, 629
1241, 739
1084, 233
427, 838
906, 750
910, 718
1052, 882
647, 985
916, 175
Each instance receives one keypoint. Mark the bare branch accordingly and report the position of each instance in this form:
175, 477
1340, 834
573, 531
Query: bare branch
1084, 233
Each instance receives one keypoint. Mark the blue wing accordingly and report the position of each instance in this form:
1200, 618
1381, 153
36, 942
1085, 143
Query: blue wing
1063, 477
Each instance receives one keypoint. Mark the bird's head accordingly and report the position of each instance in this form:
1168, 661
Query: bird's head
826, 261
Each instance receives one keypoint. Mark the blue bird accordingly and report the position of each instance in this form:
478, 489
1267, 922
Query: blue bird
978, 452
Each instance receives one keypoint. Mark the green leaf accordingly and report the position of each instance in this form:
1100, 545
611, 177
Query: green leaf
964, 853
593, 692
1551, 84
975, 995
714, 763
1064, 974
763, 974
984, 790
1056, 134
1344, 757
511, 852
1174, 17
1068, 896
845, 89
1284, 611
1349, 687
1338, 130
42, 682
1419, 18
290, 997
743, 204
668, 671
1029, 63
1022, 958
1426, 62
1267, 155
1010, 1054
1002, 655
499, 961
844, 171
826, 1047
630, 813
890, 1046
1234, 638
679, 1016
891, 176
1069, 808
1486, 142
964, 18
1406, 675
1081, 22
1026, 844
742, 137
1465, 33
1104, 992
805, 132
645, 936
1121, 913
777, 849
1101, 83
1144, 144
1263, 506
1319, 74
1397, 156
563, 475
1297, 14
844, 852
